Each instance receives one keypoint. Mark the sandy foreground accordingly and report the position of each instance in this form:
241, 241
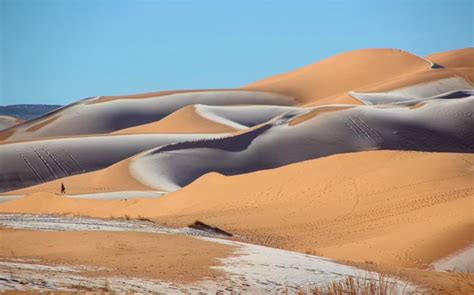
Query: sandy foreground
329, 171
153, 256
92, 254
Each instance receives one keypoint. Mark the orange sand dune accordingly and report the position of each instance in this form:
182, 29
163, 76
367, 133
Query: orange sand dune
131, 254
418, 78
454, 58
342, 73
185, 120
392, 207
402, 81
111, 179
401, 208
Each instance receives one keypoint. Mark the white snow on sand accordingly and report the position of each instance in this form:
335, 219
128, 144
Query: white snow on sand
29, 163
119, 195
422, 91
242, 117
253, 269
463, 261
6, 198
441, 125
88, 117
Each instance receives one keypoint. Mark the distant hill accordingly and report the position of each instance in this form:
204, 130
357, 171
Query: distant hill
27, 111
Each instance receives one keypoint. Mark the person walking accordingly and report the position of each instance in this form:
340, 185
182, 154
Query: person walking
63, 189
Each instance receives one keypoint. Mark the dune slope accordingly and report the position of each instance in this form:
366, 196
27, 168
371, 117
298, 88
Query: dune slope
393, 207
211, 119
87, 117
33, 162
454, 58
8, 121
400, 208
443, 125
341, 73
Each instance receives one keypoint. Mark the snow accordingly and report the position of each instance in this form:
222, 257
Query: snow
251, 269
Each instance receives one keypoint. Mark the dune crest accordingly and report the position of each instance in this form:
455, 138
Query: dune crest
342, 73
454, 58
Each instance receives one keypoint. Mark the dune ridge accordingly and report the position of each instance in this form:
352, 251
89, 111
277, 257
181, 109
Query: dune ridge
454, 58
277, 143
341, 73
86, 118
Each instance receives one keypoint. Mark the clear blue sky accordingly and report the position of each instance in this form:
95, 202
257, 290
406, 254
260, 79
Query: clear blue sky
58, 51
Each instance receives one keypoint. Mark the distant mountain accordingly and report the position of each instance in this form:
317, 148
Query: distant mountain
27, 111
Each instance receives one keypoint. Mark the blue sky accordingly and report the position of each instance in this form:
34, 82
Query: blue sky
58, 51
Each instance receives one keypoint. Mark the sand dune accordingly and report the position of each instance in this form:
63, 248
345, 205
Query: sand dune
86, 117
402, 208
8, 121
454, 58
439, 125
211, 119
419, 78
443, 125
419, 92
355, 210
184, 120
33, 162
342, 73
95, 182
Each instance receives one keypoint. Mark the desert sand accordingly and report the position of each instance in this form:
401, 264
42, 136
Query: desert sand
156, 256
350, 212
323, 79
372, 166
454, 58
8, 121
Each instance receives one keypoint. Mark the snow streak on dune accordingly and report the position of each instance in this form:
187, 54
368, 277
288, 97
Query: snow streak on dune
441, 125
211, 119
242, 117
423, 91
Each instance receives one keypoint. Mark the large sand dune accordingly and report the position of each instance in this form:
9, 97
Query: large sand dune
443, 125
403, 208
211, 119
454, 58
33, 162
342, 73
346, 206
87, 117
419, 92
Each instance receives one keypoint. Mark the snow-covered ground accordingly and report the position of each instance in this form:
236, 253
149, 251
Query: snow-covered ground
463, 261
252, 268
119, 195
